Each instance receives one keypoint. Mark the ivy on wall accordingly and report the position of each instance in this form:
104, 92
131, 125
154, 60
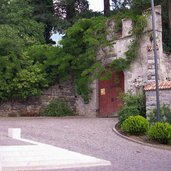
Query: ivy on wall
82, 41
139, 23
85, 38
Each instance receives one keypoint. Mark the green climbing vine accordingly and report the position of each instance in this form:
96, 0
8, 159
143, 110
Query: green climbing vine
84, 40
139, 23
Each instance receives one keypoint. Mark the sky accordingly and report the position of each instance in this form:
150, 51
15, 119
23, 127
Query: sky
95, 5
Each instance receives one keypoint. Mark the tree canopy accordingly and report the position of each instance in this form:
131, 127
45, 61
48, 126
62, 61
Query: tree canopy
18, 30
43, 11
68, 11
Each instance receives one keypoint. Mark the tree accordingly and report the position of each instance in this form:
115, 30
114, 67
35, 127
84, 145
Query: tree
68, 11
3, 9
20, 76
106, 7
18, 14
43, 11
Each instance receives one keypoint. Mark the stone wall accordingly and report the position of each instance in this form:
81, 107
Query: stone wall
166, 66
164, 95
33, 106
142, 70
165, 99
91, 108
140, 73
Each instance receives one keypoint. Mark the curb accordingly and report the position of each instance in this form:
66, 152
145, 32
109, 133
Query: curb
140, 142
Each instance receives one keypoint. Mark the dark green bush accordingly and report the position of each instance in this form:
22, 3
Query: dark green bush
135, 125
160, 132
133, 105
126, 112
165, 115
57, 108
134, 100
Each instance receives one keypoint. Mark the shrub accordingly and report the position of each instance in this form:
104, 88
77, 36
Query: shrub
165, 115
133, 105
135, 100
135, 125
126, 112
160, 132
57, 108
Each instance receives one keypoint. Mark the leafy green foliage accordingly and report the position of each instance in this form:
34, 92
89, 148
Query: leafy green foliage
133, 105
43, 11
126, 112
68, 12
135, 125
140, 22
160, 132
20, 77
18, 15
10, 33
57, 108
134, 100
17, 21
83, 88
140, 5
28, 82
165, 115
80, 44
84, 39
49, 57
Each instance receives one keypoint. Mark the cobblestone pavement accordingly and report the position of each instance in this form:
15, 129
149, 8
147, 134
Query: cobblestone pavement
94, 137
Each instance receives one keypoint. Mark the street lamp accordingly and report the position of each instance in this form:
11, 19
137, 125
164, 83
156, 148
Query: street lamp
155, 60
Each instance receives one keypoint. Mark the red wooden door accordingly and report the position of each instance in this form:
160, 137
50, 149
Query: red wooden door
109, 95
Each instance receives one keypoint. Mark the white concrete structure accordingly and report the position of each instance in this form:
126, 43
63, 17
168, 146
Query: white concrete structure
14, 133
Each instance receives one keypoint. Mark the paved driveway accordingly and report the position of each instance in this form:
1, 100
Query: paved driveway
94, 137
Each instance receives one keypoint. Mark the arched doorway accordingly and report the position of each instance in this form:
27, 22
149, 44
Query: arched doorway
109, 95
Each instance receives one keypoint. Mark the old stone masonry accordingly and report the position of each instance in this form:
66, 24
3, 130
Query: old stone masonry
140, 74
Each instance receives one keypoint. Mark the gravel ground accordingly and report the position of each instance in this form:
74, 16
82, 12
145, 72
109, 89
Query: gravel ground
6, 141
94, 137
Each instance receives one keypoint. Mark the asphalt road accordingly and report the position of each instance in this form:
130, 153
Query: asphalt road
94, 137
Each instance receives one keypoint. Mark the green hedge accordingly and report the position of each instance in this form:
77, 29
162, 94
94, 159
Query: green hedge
160, 132
126, 112
135, 125
133, 105
57, 108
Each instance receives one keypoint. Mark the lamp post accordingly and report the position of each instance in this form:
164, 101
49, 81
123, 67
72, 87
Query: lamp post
155, 60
